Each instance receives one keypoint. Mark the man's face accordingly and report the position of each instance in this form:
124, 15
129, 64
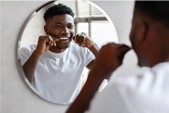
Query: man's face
61, 29
133, 33
136, 35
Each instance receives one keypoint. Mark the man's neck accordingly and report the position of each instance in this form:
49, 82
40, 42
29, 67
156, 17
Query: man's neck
56, 49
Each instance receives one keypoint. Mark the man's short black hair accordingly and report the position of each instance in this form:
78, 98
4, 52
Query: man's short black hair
158, 10
58, 10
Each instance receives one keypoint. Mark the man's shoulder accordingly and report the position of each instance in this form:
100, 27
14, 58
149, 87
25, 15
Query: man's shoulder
147, 88
76, 48
146, 80
29, 47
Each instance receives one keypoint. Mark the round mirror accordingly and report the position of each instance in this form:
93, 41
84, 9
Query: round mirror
59, 77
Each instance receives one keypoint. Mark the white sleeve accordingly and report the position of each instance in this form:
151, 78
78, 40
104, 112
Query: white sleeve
88, 56
24, 54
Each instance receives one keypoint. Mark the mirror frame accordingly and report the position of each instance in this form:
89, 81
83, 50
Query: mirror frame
22, 29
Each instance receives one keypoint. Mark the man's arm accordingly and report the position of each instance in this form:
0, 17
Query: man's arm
108, 60
95, 50
30, 65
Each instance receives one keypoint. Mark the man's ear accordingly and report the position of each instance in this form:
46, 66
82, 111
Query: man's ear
141, 31
46, 29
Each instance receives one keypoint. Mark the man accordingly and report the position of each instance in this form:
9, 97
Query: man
55, 64
144, 93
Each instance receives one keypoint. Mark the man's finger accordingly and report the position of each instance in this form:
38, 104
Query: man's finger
123, 50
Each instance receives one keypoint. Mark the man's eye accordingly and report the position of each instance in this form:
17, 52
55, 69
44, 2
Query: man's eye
58, 26
70, 27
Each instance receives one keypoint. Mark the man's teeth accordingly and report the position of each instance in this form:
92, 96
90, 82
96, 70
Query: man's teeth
61, 39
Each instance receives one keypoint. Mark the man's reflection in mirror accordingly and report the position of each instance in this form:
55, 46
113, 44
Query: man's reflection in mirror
55, 64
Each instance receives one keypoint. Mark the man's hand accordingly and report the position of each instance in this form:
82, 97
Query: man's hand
110, 58
44, 43
83, 40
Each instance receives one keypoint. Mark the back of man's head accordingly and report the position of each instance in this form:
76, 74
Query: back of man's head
157, 10
58, 9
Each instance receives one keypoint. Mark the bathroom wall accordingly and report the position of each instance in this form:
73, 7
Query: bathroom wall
16, 96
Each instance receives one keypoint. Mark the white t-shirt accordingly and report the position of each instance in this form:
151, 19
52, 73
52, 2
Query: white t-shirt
57, 75
143, 93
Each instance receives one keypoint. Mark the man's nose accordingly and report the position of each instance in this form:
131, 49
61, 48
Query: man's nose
65, 30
